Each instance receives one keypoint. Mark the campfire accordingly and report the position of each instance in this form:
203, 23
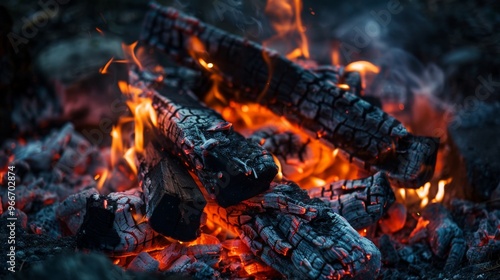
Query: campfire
242, 160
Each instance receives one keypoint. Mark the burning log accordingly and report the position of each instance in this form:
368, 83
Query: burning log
298, 236
361, 202
230, 167
174, 204
444, 236
116, 225
371, 138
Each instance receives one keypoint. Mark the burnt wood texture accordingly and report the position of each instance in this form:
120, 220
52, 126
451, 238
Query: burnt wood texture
369, 137
174, 204
361, 202
300, 237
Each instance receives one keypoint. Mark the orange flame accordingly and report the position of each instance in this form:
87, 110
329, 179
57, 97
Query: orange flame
365, 68
335, 56
116, 145
101, 178
320, 164
287, 23
104, 69
144, 113
129, 52
143, 116
423, 195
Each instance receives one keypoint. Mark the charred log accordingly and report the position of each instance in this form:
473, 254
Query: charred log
361, 202
298, 236
230, 167
116, 225
370, 137
174, 204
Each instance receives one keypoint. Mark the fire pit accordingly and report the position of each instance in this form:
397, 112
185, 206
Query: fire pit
197, 152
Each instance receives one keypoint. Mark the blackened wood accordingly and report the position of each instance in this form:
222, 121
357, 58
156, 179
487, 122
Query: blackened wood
230, 167
361, 202
174, 204
97, 229
285, 145
474, 159
370, 137
300, 237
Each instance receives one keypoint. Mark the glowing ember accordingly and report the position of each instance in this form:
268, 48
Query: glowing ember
335, 56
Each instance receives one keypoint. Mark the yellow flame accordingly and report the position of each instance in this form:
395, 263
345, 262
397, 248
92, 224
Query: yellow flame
362, 66
365, 69
116, 145
402, 192
440, 194
129, 157
144, 113
278, 176
317, 182
102, 178
345, 87
422, 193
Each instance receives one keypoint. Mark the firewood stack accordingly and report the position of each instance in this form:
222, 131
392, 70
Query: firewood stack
299, 234
368, 136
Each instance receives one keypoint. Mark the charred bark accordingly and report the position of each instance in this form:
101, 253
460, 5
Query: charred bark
115, 224
302, 238
370, 137
174, 204
361, 202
